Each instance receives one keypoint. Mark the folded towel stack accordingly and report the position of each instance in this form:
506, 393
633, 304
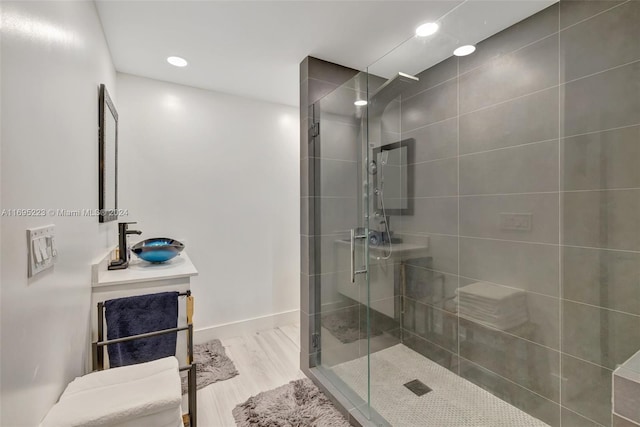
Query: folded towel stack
142, 395
496, 306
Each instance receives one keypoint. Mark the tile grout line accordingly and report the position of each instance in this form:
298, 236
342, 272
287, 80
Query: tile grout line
558, 139
511, 381
559, 298
486, 107
613, 310
430, 124
528, 193
555, 350
458, 199
489, 60
560, 224
434, 86
558, 31
600, 131
593, 16
586, 361
580, 415
427, 234
416, 335
525, 144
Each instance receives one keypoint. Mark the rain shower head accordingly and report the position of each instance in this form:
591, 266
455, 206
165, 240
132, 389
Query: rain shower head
389, 91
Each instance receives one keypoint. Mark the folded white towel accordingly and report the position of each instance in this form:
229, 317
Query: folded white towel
119, 395
489, 291
496, 306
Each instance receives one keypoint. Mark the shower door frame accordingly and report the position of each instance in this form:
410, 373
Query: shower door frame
358, 409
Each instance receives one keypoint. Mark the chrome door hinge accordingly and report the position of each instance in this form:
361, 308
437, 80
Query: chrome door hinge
315, 341
314, 130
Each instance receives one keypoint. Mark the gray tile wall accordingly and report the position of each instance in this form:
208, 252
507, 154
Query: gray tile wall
543, 120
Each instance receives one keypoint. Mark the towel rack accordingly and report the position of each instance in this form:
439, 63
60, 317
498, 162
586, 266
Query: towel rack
99, 346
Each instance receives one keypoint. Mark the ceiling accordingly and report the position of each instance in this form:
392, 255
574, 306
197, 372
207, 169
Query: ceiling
253, 48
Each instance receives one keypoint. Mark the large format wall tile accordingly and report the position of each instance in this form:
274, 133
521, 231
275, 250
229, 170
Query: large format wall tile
586, 389
433, 105
602, 160
334, 254
520, 397
435, 178
431, 323
524, 169
574, 11
527, 266
443, 250
439, 73
599, 335
622, 422
318, 69
602, 219
431, 351
605, 278
480, 216
517, 36
528, 364
602, 101
339, 140
523, 120
337, 214
428, 286
546, 125
330, 297
436, 141
390, 119
317, 89
571, 419
584, 50
530, 69
338, 178
431, 215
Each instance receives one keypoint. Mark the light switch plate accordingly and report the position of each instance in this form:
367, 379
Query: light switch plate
41, 242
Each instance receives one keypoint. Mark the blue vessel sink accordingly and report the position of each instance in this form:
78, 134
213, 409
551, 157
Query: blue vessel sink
158, 249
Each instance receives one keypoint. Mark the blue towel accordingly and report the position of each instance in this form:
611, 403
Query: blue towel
138, 315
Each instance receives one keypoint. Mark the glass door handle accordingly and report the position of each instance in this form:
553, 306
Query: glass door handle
355, 236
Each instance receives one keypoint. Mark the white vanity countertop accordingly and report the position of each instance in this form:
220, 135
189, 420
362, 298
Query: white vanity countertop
143, 271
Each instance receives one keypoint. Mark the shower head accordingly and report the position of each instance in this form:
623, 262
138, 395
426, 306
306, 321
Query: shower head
389, 91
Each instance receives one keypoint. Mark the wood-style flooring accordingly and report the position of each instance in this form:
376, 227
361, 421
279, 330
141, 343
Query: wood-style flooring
265, 360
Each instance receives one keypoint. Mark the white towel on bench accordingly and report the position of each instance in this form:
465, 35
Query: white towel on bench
147, 394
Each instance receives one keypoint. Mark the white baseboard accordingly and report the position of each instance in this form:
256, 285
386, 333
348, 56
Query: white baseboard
245, 327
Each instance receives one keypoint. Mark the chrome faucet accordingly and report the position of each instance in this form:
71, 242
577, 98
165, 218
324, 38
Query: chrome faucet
123, 257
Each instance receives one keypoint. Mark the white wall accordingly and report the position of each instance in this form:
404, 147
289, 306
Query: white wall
54, 56
221, 172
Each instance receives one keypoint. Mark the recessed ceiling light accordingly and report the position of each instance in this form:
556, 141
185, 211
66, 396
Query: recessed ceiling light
360, 103
427, 29
177, 61
464, 50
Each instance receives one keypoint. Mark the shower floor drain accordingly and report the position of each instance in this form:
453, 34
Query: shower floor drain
417, 387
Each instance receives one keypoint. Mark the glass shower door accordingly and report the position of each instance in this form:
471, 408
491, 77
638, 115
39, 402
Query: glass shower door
341, 212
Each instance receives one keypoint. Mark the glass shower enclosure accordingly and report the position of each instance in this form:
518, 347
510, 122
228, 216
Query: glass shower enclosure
477, 244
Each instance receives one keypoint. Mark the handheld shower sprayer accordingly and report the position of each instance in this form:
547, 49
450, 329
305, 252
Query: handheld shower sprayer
384, 157
378, 101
